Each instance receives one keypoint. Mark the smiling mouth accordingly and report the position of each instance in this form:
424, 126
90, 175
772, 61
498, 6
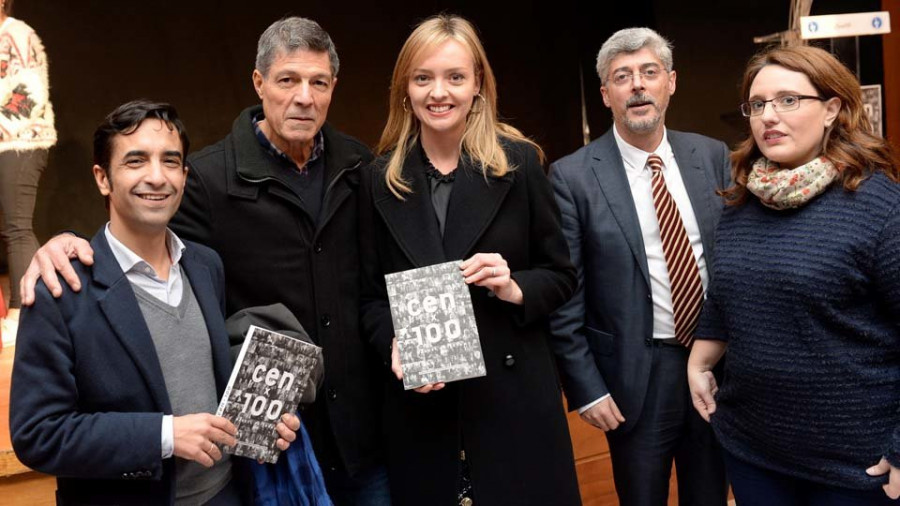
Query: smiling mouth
440, 108
773, 135
153, 197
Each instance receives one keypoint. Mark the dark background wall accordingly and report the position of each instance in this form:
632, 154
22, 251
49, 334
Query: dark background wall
198, 55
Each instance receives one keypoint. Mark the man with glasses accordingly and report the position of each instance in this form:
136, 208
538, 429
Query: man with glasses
639, 211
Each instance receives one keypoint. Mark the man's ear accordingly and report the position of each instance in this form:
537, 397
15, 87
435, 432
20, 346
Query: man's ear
257, 82
102, 180
603, 92
184, 181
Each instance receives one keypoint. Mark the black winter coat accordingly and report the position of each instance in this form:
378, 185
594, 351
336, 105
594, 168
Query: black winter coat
273, 251
511, 422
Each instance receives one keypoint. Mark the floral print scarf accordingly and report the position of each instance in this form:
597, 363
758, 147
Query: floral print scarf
789, 188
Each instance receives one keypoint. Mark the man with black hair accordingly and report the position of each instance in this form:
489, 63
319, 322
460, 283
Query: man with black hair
276, 199
114, 386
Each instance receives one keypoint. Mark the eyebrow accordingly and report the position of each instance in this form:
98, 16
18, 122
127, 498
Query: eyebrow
454, 69
642, 66
782, 93
294, 73
138, 152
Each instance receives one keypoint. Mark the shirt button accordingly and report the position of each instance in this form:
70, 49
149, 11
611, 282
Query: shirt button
318, 247
326, 320
509, 361
332, 394
648, 342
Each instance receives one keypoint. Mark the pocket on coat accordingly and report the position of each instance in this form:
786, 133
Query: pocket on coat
601, 343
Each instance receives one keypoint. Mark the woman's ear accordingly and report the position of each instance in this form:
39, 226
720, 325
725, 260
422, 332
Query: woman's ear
832, 108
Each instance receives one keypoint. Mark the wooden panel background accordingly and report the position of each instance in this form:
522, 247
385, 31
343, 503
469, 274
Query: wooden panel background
892, 73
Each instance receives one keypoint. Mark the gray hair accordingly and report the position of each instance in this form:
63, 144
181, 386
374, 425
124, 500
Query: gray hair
631, 40
292, 34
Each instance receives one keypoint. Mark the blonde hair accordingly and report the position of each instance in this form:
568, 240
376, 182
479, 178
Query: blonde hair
481, 138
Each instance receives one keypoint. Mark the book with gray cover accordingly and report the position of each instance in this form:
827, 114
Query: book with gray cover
268, 380
435, 325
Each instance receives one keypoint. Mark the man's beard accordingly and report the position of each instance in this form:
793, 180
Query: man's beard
642, 125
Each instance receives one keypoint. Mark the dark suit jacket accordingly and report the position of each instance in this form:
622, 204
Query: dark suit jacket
602, 337
511, 422
88, 395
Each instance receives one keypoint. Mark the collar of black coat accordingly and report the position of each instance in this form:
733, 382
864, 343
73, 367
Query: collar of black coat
253, 160
474, 202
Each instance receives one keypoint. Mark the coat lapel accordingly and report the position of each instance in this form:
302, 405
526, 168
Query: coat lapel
700, 188
474, 202
205, 292
610, 173
412, 222
120, 306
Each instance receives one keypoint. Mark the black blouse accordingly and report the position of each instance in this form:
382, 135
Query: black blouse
441, 187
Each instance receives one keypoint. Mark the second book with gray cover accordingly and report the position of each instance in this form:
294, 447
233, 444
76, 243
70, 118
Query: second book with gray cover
434, 324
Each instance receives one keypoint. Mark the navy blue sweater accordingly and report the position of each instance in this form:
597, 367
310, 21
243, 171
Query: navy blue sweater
809, 303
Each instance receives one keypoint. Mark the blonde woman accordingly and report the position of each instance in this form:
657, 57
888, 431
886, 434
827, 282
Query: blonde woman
453, 183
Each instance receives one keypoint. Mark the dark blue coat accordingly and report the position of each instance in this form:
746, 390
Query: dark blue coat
88, 395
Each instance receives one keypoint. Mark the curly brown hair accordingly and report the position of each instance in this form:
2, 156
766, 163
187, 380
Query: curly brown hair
849, 143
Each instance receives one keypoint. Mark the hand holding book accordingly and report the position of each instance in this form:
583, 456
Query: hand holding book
491, 271
398, 371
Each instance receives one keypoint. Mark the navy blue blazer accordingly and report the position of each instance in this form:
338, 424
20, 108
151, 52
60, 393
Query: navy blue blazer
602, 336
88, 395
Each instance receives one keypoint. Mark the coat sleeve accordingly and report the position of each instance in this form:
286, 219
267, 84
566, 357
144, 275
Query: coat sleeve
550, 279
48, 432
375, 311
581, 379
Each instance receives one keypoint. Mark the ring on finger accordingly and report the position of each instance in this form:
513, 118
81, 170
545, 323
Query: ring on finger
493, 272
211, 445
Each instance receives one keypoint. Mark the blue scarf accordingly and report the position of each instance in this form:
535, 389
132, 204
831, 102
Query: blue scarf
295, 480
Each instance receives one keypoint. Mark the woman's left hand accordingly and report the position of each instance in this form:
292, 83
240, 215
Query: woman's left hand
491, 271
892, 487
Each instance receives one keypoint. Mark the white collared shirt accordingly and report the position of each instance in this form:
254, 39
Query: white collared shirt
141, 274
640, 180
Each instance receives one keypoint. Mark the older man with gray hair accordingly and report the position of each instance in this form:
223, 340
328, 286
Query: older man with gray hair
639, 211
276, 199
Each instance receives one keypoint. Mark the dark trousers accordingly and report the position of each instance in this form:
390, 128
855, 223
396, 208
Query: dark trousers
756, 486
368, 488
19, 176
669, 429
228, 496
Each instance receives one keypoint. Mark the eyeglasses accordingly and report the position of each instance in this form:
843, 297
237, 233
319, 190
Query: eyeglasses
649, 74
783, 103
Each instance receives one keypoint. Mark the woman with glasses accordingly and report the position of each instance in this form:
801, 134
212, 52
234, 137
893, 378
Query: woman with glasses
805, 295
454, 183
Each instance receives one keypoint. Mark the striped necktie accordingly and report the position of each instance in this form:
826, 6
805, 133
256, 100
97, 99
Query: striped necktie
684, 275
